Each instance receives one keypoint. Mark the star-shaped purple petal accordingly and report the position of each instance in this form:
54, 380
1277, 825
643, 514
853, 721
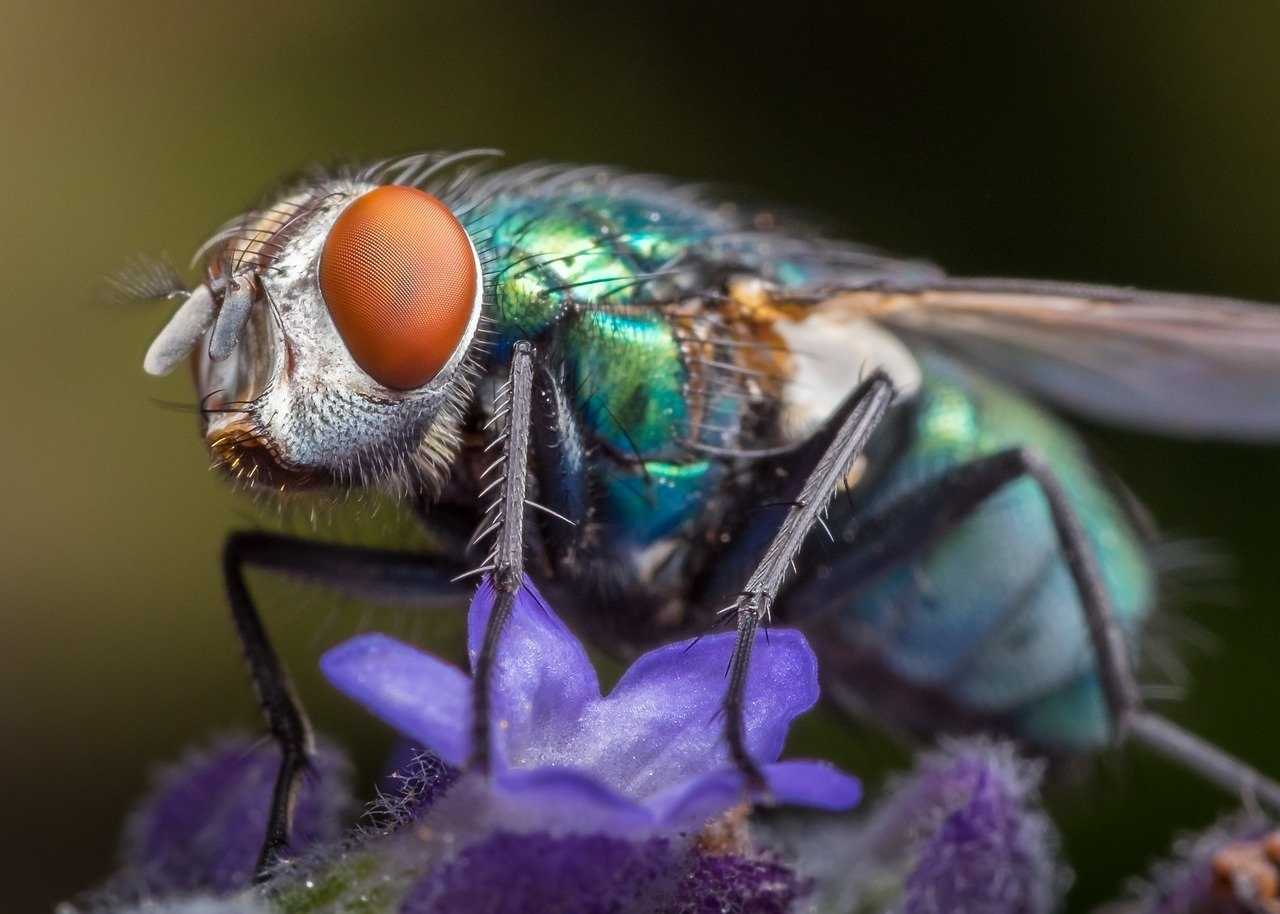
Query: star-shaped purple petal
650, 755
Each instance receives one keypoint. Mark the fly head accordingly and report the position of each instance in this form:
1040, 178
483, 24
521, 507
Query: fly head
334, 337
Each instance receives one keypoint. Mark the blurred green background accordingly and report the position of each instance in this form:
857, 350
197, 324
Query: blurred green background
1126, 142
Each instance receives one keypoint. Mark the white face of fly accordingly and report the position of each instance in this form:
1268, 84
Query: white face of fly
300, 389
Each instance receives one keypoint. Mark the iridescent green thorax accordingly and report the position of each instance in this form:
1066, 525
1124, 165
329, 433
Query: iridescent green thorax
558, 251
628, 368
594, 265
626, 280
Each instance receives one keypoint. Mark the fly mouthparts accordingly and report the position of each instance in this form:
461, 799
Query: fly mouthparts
231, 319
186, 328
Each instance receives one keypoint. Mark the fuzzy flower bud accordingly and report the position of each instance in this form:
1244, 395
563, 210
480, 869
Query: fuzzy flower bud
963, 833
1232, 868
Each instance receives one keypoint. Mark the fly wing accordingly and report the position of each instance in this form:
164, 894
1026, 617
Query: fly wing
1178, 364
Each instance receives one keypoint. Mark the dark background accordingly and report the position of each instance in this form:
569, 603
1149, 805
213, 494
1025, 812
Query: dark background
1125, 142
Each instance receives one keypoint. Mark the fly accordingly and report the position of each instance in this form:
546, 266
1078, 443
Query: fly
599, 379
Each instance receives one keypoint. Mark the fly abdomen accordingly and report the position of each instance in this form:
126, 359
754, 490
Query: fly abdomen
988, 615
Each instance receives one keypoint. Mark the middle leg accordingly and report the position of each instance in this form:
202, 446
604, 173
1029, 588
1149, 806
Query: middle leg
857, 418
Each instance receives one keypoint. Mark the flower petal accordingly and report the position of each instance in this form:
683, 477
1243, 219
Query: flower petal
691, 802
662, 722
424, 698
543, 680
650, 755
565, 799
801, 782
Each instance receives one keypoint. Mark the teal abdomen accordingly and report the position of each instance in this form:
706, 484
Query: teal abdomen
990, 617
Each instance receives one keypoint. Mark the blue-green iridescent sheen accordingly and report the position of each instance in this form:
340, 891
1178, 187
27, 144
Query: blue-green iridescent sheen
654, 500
555, 252
589, 263
630, 379
989, 618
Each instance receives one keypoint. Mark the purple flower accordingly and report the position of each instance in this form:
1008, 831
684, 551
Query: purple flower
598, 874
413, 781
196, 904
987, 851
647, 758
962, 833
201, 827
1232, 867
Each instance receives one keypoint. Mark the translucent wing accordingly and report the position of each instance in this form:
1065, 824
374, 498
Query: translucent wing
1177, 364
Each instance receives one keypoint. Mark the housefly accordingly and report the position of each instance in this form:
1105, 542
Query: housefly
645, 400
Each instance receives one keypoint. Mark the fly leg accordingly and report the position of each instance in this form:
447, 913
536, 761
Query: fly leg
857, 418
537, 421
915, 523
505, 521
397, 576
413, 579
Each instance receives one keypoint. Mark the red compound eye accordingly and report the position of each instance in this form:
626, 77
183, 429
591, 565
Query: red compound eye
399, 277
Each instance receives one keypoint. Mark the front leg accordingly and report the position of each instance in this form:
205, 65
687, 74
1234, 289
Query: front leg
285, 717
397, 576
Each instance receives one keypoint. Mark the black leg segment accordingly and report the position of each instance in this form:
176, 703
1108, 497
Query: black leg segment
372, 573
505, 522
285, 718
857, 418
411, 579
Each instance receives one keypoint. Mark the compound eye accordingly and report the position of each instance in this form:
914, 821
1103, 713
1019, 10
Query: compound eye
399, 277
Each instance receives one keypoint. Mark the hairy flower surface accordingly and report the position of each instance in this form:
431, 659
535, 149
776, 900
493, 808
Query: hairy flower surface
191, 845
963, 833
626, 803
988, 850
648, 757
599, 874
196, 904
1232, 868
201, 827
